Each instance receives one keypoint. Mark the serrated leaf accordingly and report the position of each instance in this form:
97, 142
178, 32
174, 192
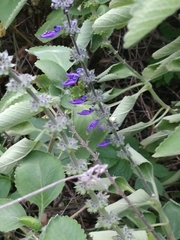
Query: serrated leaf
53, 71
53, 53
64, 227
158, 69
9, 217
53, 19
14, 154
122, 110
38, 170
168, 49
85, 34
15, 114
170, 146
172, 211
11, 98
114, 18
9, 10
147, 15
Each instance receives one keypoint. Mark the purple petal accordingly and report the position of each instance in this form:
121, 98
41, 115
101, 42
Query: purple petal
79, 100
73, 76
48, 34
104, 143
86, 112
58, 28
69, 82
101, 127
79, 70
93, 124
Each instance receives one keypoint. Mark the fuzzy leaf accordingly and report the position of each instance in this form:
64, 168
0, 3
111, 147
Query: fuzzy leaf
85, 34
147, 15
53, 53
53, 71
9, 217
14, 154
15, 114
123, 109
119, 3
158, 69
170, 146
64, 228
53, 19
168, 49
38, 170
114, 18
9, 10
116, 71
172, 211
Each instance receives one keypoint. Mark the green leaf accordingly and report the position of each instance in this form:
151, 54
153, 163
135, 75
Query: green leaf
147, 15
53, 71
154, 137
5, 185
172, 211
64, 228
158, 69
11, 98
9, 217
31, 222
98, 39
168, 49
20, 111
14, 154
114, 18
122, 110
38, 170
119, 3
9, 10
53, 53
21, 129
85, 34
170, 146
122, 184
116, 71
173, 66
138, 198
53, 19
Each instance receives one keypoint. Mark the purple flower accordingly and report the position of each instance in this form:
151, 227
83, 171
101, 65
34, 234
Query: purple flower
51, 33
79, 100
73, 77
86, 112
69, 82
101, 127
79, 70
93, 124
104, 143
